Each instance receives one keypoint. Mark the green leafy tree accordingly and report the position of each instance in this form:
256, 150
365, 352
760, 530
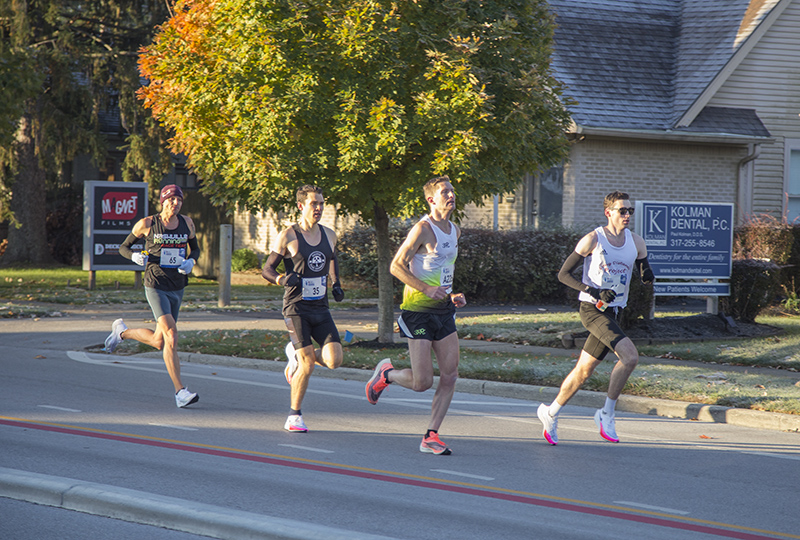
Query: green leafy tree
366, 98
64, 61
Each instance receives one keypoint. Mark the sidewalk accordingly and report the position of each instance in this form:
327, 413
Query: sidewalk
79, 323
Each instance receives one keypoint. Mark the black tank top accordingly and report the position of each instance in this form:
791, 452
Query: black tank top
312, 264
166, 248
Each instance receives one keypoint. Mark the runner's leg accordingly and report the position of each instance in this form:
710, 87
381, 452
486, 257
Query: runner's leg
447, 355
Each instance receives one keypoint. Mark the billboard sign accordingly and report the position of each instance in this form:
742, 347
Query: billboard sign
110, 210
687, 240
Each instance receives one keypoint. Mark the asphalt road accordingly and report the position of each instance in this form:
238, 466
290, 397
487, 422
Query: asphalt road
101, 434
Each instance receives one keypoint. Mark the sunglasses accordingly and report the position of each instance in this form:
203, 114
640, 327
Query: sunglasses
625, 210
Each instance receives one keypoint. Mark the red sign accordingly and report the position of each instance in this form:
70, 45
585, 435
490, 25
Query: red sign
117, 205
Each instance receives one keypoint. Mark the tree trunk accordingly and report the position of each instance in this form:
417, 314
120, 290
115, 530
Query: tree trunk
27, 243
385, 281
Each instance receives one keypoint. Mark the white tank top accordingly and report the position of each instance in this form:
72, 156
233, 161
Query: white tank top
609, 267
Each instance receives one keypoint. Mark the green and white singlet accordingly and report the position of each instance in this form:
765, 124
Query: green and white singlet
435, 268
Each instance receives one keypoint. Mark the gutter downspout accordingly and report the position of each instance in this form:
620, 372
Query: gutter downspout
496, 212
744, 186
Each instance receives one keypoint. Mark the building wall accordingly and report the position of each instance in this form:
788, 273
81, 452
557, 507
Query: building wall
768, 79
646, 171
258, 231
510, 212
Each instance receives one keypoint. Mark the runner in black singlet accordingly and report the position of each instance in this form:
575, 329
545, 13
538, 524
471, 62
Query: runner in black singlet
173, 251
308, 252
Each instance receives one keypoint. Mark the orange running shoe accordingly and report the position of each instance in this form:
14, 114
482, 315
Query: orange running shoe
432, 444
377, 382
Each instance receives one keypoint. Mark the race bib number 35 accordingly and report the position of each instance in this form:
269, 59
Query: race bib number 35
315, 288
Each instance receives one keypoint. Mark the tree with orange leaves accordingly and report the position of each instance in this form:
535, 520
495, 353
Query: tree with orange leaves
364, 98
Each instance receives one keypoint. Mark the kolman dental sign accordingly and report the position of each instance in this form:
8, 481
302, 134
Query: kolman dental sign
688, 241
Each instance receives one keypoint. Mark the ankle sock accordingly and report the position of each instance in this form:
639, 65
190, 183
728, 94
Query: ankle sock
608, 408
554, 409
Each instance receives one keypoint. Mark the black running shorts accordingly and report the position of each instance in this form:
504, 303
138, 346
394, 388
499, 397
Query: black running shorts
423, 325
318, 326
603, 327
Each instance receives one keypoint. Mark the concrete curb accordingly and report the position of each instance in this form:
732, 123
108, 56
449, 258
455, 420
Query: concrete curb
161, 511
584, 398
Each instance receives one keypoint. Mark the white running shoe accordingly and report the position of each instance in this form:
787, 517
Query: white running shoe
550, 424
115, 338
291, 365
184, 398
295, 424
605, 424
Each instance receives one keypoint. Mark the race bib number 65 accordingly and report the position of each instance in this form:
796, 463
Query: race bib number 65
172, 257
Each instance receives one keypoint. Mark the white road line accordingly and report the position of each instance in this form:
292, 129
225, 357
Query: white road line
768, 454
183, 428
59, 408
465, 475
320, 450
653, 508
458, 402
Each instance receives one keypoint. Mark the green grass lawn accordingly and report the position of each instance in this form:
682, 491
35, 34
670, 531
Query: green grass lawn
70, 285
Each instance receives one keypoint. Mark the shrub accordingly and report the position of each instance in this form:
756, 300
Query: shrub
764, 237
640, 302
512, 266
790, 275
754, 284
244, 259
493, 266
358, 251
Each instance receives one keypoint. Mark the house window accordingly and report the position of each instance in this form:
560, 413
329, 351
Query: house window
547, 198
185, 178
792, 175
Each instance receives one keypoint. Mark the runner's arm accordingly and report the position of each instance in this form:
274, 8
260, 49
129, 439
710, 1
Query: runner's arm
642, 264
270, 269
399, 267
565, 274
193, 245
575, 259
140, 229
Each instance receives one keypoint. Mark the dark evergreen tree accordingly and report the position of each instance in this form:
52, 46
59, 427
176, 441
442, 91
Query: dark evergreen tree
68, 60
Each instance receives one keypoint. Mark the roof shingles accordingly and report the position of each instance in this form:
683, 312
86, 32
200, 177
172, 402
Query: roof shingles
640, 64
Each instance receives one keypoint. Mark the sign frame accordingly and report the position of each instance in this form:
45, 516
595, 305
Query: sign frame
110, 210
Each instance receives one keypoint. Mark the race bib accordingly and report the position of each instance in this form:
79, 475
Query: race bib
172, 257
616, 283
446, 277
315, 288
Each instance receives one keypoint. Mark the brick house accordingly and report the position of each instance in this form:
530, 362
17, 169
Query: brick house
684, 100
